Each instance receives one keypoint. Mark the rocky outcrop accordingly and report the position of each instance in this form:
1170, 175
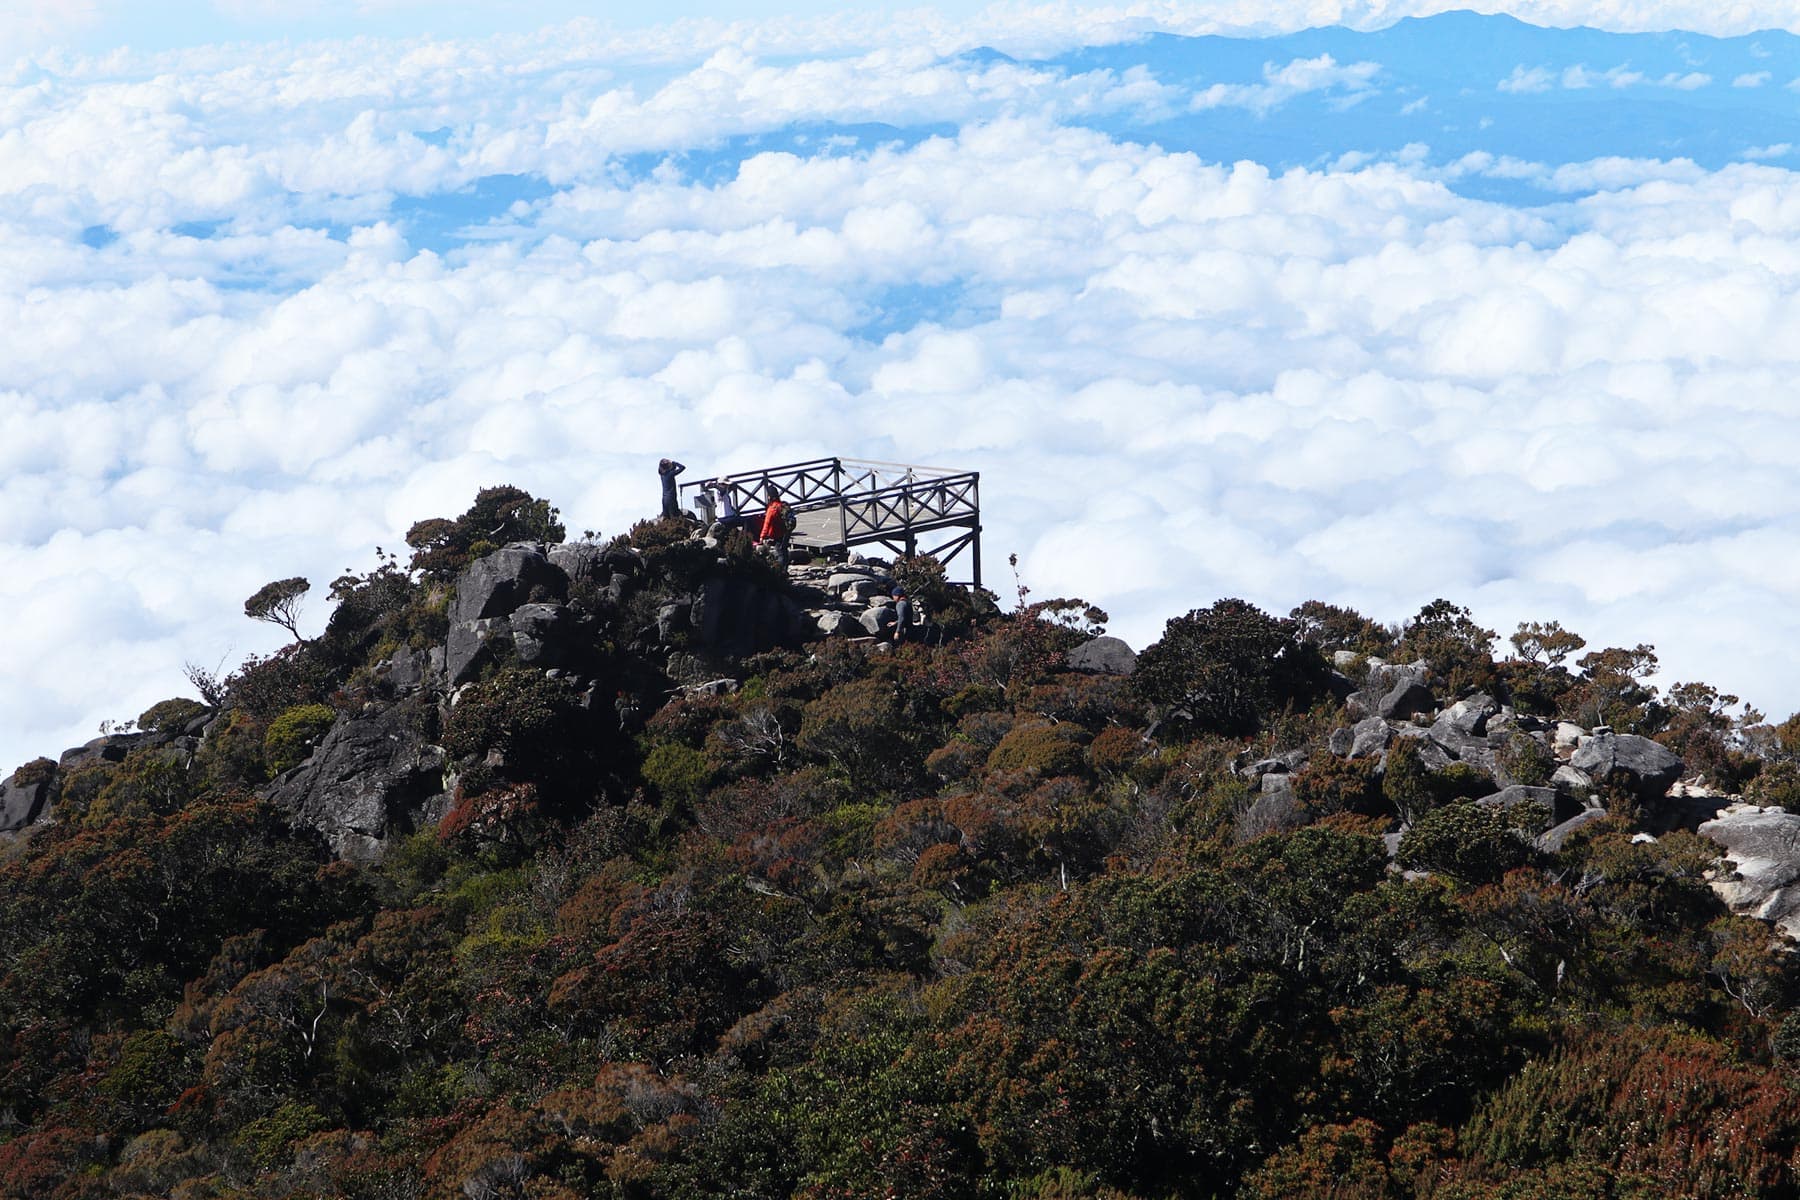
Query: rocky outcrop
488, 592
374, 778
1646, 767
498, 583
1555, 838
25, 799
1762, 876
843, 599
1556, 808
1104, 656
1393, 692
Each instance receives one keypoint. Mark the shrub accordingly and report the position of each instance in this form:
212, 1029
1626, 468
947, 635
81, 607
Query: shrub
1459, 651
1115, 749
1525, 760
677, 772
1329, 784
1229, 667
863, 728
1332, 628
291, 736
1043, 749
1467, 842
1407, 783
499, 515
534, 725
168, 715
38, 770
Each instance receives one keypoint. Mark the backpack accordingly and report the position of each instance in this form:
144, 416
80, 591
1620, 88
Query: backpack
789, 522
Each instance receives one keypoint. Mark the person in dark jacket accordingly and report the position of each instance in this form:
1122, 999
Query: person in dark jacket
903, 616
668, 468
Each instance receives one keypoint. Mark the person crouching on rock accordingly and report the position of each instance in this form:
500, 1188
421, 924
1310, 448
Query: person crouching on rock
776, 525
668, 468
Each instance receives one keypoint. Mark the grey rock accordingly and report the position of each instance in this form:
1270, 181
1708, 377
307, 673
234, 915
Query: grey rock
1646, 766
494, 585
23, 804
1565, 737
1341, 742
687, 668
542, 633
1470, 715
861, 591
372, 779
1569, 779
1272, 811
1280, 764
1104, 656
580, 562
673, 618
832, 623
1431, 755
1392, 690
1370, 736
1555, 807
1343, 660
1405, 698
405, 671
872, 619
470, 646
1557, 837
1764, 848
112, 747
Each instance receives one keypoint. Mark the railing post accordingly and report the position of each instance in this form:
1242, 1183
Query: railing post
837, 485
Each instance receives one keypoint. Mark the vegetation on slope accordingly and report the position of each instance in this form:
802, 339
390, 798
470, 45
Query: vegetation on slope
947, 921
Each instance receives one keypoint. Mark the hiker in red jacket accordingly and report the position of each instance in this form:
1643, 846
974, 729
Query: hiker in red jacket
776, 525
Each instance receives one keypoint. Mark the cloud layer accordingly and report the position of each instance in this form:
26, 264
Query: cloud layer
225, 357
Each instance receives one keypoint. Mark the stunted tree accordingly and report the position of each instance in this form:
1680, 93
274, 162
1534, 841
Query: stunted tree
1458, 651
502, 514
1545, 641
1229, 666
278, 603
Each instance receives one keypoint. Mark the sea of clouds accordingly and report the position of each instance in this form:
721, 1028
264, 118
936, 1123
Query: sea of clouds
264, 306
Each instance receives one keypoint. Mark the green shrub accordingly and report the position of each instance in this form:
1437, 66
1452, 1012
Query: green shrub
1044, 749
38, 770
291, 736
1525, 760
1468, 842
1229, 668
171, 714
677, 772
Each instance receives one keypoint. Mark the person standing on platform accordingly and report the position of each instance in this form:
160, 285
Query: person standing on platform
777, 524
668, 468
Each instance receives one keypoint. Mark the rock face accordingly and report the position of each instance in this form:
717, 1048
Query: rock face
1393, 691
25, 803
1370, 736
497, 584
1763, 845
488, 592
1647, 767
1556, 808
372, 779
1104, 656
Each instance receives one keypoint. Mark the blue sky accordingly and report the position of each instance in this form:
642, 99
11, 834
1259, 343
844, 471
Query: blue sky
1410, 305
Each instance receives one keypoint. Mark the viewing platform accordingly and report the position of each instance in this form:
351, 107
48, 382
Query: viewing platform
841, 503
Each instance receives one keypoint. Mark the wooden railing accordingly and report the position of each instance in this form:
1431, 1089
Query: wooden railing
858, 502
